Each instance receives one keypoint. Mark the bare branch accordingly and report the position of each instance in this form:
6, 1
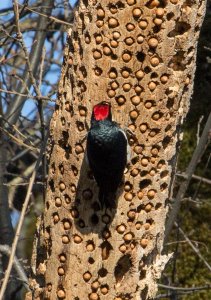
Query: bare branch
18, 267
15, 106
191, 289
20, 223
196, 250
190, 170
202, 179
28, 96
49, 17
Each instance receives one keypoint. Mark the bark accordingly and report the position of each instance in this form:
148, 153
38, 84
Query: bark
140, 55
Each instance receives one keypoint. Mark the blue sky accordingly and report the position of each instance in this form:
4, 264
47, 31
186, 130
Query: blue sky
52, 77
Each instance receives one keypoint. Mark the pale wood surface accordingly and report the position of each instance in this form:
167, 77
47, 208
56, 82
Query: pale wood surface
79, 256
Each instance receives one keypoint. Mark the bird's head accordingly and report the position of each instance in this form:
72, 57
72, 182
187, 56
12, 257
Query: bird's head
101, 111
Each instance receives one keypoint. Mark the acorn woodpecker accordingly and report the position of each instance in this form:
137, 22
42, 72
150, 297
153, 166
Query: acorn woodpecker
106, 153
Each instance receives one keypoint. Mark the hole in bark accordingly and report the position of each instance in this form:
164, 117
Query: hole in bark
120, 4
81, 223
169, 16
154, 75
123, 266
142, 275
144, 293
134, 160
82, 86
90, 175
161, 163
143, 173
51, 184
102, 272
177, 62
47, 204
96, 206
91, 260
167, 128
64, 140
80, 125
166, 141
87, 194
158, 205
147, 70
144, 183
53, 168
140, 208
163, 186
181, 28
83, 71
156, 29
105, 250
63, 121
140, 56
61, 169
114, 56
170, 103
68, 151
164, 174
150, 221
154, 132
98, 71
86, 2
94, 219
74, 170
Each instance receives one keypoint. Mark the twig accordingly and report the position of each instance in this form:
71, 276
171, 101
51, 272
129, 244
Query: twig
15, 107
19, 269
175, 288
17, 182
20, 223
18, 141
196, 250
202, 179
42, 123
198, 129
49, 17
199, 150
28, 95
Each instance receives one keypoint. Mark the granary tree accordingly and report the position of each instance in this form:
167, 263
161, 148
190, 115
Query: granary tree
139, 56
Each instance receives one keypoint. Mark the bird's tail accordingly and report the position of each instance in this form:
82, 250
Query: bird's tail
107, 199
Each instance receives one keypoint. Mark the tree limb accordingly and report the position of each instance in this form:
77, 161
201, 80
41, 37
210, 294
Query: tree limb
199, 150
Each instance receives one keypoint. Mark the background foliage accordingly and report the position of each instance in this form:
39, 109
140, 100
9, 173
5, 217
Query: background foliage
22, 140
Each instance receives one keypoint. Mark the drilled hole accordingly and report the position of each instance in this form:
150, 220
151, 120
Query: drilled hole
105, 250
91, 260
166, 141
144, 183
102, 272
140, 56
123, 266
94, 219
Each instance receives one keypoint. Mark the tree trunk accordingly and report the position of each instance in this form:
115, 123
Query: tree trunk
140, 56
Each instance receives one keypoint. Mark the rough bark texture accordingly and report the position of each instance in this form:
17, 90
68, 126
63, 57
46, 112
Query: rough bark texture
140, 55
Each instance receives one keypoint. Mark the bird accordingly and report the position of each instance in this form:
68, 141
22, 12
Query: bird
107, 146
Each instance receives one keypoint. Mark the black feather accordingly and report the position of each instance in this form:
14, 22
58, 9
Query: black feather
107, 156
